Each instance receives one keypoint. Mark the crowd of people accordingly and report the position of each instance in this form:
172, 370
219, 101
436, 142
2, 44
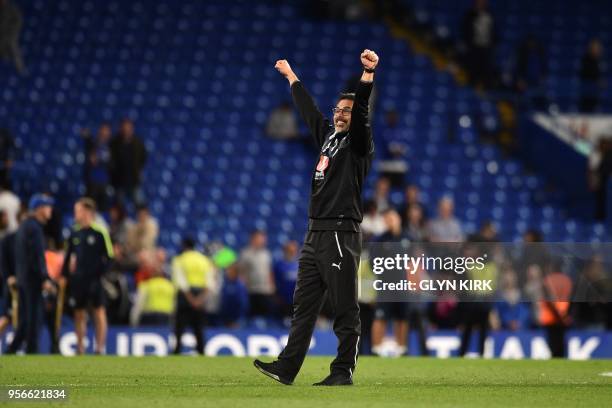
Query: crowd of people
42, 281
523, 283
116, 271
112, 268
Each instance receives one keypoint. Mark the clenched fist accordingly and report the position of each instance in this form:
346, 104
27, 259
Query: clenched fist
369, 59
284, 68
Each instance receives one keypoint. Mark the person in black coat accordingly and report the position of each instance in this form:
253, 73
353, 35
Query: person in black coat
591, 77
31, 272
128, 158
479, 37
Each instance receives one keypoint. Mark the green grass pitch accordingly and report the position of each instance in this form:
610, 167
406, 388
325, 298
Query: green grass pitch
147, 382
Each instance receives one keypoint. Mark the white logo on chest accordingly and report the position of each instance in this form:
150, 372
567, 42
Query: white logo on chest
334, 145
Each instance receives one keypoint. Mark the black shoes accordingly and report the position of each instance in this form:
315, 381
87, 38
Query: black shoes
335, 379
272, 370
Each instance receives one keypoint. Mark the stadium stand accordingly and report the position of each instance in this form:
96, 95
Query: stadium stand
198, 80
563, 31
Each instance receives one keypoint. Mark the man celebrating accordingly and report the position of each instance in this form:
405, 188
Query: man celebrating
330, 256
87, 259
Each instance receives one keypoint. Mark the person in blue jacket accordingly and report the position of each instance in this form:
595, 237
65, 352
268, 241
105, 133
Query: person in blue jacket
234, 298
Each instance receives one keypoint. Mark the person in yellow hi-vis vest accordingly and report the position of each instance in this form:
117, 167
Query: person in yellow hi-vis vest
475, 308
155, 299
191, 273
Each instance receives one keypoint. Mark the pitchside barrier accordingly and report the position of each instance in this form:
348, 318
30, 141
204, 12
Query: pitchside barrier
127, 341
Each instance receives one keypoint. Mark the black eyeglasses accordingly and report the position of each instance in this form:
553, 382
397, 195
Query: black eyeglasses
343, 112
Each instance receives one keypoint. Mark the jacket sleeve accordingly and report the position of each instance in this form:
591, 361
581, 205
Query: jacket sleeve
360, 131
316, 122
106, 252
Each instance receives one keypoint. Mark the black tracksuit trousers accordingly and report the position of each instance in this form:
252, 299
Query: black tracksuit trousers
328, 265
188, 316
30, 315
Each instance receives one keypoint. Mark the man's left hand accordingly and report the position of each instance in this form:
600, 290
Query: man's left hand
369, 59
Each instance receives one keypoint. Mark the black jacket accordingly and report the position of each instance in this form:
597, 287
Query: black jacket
345, 158
127, 161
93, 251
30, 264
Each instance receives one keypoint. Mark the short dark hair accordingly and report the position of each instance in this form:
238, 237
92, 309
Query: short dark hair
370, 205
257, 232
535, 235
187, 243
346, 95
142, 207
88, 203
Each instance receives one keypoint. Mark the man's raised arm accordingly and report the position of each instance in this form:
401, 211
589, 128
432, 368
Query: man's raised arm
361, 134
316, 122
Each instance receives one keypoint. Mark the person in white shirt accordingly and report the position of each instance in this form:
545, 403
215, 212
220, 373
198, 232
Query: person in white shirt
10, 205
373, 223
256, 269
446, 227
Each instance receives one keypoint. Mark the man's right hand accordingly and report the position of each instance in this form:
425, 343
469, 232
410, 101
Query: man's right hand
285, 70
